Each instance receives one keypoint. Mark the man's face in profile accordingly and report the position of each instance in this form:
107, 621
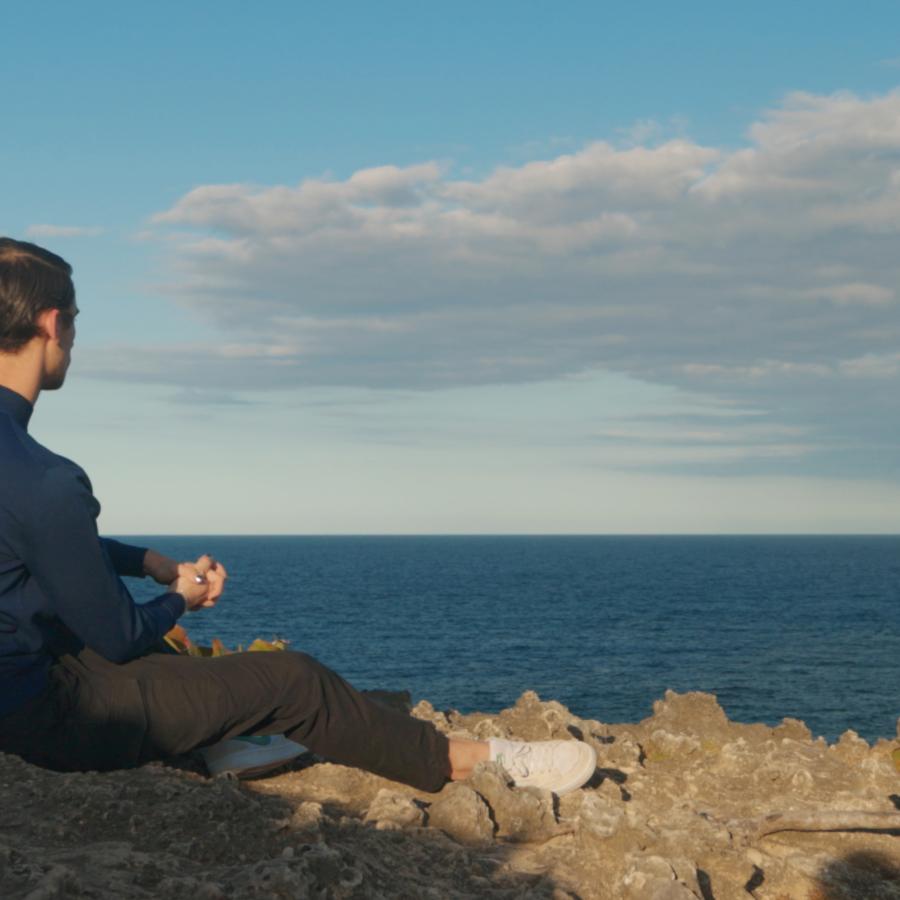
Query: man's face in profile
59, 352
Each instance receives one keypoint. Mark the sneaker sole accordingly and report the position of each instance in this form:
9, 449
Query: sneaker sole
253, 762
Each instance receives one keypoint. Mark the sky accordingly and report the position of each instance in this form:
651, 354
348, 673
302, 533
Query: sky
481, 268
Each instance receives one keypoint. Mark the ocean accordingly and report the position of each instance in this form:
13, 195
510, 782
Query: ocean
807, 627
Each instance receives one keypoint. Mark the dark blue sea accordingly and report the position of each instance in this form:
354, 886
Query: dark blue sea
807, 627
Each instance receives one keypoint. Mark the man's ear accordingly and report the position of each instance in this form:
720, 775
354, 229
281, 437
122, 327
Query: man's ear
48, 322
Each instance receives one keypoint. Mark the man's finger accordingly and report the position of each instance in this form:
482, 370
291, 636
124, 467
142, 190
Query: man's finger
205, 563
216, 578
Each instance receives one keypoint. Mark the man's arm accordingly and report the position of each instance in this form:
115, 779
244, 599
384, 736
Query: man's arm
127, 559
66, 558
139, 562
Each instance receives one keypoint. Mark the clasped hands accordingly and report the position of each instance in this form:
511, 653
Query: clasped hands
200, 583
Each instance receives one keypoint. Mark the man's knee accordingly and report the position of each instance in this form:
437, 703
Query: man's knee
293, 661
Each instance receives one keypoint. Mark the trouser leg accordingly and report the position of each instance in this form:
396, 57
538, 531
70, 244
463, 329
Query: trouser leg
192, 702
162, 705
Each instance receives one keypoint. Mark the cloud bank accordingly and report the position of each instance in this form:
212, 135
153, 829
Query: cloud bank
765, 275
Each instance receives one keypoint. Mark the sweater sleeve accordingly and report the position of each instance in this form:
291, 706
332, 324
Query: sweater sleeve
66, 557
125, 558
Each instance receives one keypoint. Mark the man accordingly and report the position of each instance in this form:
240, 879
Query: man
81, 686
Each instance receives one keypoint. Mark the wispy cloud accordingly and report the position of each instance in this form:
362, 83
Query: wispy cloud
63, 231
204, 398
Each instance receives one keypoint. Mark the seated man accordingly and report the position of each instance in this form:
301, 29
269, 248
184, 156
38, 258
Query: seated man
80, 685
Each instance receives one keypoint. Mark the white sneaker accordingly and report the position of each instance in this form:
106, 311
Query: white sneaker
251, 754
558, 766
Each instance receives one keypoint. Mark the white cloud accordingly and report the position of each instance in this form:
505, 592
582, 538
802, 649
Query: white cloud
765, 275
63, 231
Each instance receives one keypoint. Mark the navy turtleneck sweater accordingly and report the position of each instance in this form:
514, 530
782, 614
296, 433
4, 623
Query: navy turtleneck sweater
55, 568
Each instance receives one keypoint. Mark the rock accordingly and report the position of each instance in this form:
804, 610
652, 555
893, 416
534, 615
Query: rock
326, 783
792, 729
461, 813
684, 804
669, 890
598, 817
667, 746
690, 714
308, 815
524, 814
621, 753
532, 719
851, 747
489, 728
390, 809
652, 878
425, 711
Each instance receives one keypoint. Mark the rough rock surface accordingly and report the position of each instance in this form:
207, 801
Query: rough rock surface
684, 805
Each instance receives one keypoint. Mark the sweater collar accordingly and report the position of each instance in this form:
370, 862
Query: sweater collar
16, 406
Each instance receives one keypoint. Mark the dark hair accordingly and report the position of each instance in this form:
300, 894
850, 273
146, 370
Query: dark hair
32, 280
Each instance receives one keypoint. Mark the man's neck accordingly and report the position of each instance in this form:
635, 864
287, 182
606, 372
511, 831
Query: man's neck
21, 372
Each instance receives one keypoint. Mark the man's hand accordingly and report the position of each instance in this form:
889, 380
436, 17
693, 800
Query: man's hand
214, 573
200, 583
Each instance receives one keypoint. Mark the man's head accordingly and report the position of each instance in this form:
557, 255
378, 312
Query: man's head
37, 300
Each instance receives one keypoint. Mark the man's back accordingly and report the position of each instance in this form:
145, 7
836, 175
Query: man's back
24, 464
54, 566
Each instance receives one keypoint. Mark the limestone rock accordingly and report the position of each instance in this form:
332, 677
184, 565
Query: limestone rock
693, 713
461, 813
308, 815
599, 817
792, 729
532, 719
392, 809
622, 753
524, 814
425, 711
684, 804
851, 747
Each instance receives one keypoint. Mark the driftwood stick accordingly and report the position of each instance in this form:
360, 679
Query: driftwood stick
828, 820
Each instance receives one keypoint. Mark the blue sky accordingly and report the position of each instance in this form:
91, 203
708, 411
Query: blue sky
472, 268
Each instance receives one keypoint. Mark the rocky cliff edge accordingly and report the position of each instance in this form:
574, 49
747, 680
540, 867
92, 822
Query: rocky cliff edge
686, 804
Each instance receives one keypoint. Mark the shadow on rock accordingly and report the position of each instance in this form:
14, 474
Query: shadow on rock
862, 875
158, 832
